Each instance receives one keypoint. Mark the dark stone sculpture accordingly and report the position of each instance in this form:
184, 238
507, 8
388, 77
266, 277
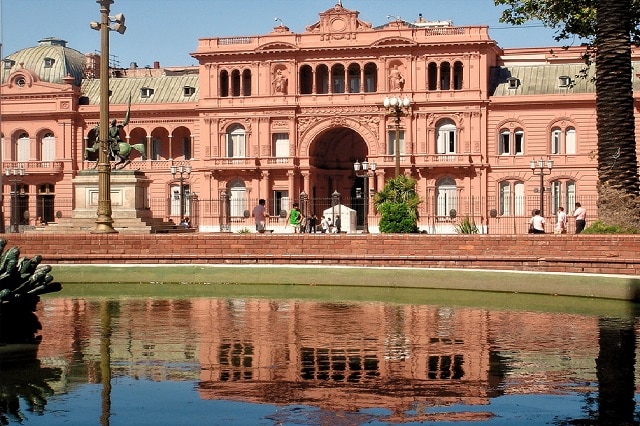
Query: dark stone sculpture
22, 281
118, 149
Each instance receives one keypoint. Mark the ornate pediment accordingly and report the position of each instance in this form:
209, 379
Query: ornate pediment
339, 23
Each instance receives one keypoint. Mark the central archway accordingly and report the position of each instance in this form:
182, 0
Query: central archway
331, 158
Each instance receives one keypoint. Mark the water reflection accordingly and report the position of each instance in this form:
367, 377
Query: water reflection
411, 363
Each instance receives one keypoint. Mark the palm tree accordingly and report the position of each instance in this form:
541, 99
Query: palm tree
398, 203
619, 185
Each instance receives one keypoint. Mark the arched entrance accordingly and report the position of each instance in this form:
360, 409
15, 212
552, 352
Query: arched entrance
331, 158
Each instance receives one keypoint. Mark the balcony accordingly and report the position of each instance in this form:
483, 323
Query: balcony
35, 167
446, 160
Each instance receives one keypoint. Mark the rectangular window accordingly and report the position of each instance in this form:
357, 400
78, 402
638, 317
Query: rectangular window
280, 147
518, 142
446, 141
48, 148
555, 141
504, 143
392, 141
505, 199
186, 148
156, 147
235, 145
570, 141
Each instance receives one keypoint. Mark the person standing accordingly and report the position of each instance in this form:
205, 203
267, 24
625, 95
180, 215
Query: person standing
261, 215
536, 224
561, 223
580, 213
295, 218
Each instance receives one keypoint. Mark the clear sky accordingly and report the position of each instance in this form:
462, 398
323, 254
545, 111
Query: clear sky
168, 30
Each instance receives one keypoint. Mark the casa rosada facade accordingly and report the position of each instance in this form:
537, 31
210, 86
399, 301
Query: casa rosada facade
284, 116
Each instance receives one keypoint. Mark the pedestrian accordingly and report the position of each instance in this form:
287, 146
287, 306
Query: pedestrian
313, 223
561, 223
295, 217
536, 224
324, 224
580, 213
260, 214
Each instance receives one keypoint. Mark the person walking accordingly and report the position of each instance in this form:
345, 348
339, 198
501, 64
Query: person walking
561, 223
580, 213
294, 218
536, 224
260, 214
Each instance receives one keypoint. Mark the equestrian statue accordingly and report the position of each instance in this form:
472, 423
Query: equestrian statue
118, 150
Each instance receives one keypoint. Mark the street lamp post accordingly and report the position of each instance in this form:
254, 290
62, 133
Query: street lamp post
104, 222
365, 166
398, 107
15, 176
538, 169
181, 171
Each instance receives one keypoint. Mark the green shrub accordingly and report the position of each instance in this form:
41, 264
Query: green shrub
599, 227
244, 231
396, 219
466, 227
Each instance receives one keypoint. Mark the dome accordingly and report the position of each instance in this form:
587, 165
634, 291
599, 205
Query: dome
51, 60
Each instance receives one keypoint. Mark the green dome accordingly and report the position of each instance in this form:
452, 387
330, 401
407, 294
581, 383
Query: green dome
51, 60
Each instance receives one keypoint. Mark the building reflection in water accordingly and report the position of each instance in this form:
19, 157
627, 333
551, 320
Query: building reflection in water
344, 357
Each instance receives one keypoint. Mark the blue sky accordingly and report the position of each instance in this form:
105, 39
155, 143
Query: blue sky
168, 30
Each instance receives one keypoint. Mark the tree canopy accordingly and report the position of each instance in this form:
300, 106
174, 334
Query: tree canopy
569, 17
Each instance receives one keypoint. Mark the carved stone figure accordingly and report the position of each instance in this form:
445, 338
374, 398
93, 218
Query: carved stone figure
396, 80
280, 83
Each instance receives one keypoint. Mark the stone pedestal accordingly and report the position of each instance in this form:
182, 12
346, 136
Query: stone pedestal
130, 209
129, 194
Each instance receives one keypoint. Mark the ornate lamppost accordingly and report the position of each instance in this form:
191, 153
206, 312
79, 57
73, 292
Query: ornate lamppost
538, 169
398, 107
366, 166
15, 176
181, 171
104, 222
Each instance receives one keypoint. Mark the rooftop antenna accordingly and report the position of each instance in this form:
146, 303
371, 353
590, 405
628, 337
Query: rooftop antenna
279, 20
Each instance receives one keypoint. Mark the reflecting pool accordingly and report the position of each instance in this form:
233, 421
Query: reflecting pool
265, 361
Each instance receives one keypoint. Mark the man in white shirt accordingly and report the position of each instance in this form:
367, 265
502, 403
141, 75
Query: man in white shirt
580, 214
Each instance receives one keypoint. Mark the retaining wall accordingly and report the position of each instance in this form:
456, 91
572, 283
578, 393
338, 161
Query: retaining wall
609, 254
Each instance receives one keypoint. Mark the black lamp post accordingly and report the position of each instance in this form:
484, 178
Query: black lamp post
538, 169
181, 171
398, 107
15, 176
365, 166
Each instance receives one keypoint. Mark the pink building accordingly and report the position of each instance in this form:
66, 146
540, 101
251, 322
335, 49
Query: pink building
284, 116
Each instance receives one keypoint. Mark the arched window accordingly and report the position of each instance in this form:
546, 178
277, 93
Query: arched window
235, 83
511, 198
563, 194
322, 79
354, 78
238, 198
23, 147
306, 80
337, 78
457, 76
48, 147
224, 83
563, 141
445, 76
246, 83
432, 76
370, 78
511, 143
236, 141
446, 197
446, 137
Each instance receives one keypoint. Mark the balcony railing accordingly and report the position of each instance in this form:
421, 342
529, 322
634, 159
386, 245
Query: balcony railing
35, 167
